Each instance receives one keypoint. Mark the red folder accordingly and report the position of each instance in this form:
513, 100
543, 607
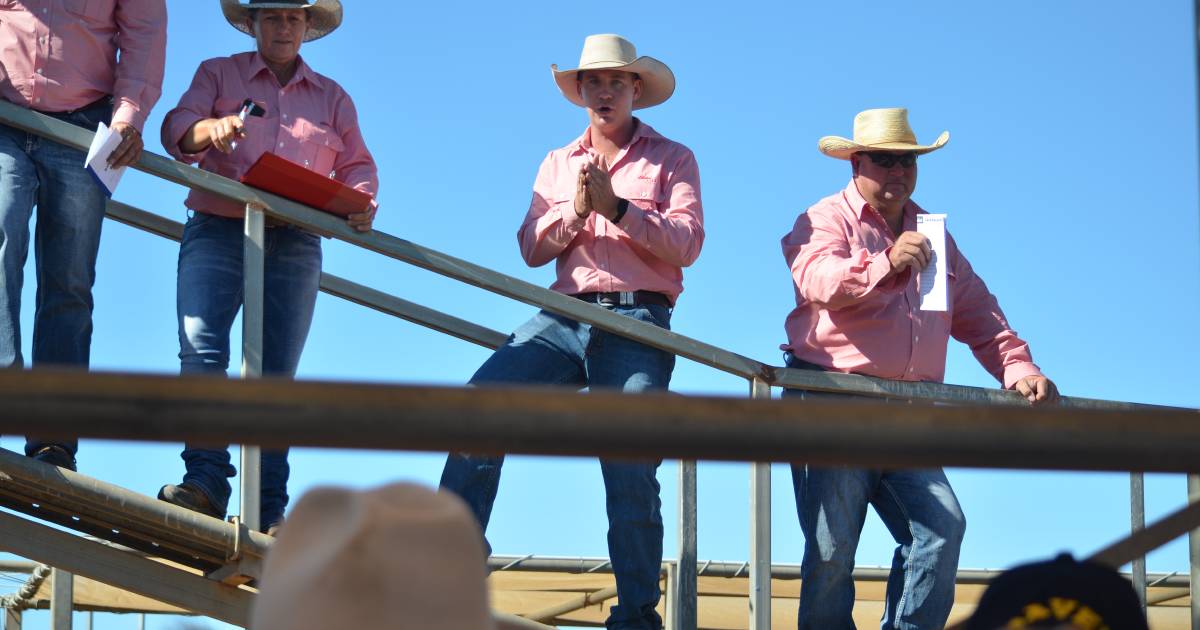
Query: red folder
292, 181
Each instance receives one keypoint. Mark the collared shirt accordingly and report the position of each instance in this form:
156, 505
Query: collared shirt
310, 121
661, 232
60, 55
850, 316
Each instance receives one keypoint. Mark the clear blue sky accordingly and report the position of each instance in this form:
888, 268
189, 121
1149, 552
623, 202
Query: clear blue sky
1069, 182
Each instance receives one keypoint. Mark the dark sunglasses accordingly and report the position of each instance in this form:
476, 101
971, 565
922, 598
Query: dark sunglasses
888, 160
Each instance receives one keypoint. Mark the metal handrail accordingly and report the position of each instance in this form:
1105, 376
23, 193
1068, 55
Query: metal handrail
522, 291
760, 376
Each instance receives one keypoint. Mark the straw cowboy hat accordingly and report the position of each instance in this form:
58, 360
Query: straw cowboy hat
879, 130
613, 52
323, 15
401, 557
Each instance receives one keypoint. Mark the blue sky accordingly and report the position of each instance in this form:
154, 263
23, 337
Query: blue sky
1069, 182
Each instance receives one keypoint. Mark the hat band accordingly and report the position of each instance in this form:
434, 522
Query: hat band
299, 3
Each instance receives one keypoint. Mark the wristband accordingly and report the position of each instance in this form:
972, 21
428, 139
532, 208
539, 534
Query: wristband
622, 206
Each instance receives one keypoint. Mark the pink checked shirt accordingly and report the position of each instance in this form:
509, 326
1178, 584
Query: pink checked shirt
661, 232
60, 55
850, 318
310, 121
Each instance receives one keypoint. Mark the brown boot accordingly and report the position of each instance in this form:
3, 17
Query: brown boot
188, 496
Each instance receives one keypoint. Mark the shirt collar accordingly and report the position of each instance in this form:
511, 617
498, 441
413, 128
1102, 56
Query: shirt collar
303, 72
859, 205
583, 143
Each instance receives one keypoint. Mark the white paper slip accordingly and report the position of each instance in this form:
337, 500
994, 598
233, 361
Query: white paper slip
932, 282
103, 144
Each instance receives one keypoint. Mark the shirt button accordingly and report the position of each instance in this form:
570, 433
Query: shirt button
285, 116
281, 145
306, 162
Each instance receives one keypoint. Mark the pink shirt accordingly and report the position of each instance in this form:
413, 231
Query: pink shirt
661, 232
849, 317
59, 55
310, 121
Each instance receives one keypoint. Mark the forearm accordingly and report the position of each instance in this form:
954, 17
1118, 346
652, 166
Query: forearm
198, 137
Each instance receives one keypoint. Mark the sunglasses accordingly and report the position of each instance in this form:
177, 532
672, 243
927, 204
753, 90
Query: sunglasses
888, 160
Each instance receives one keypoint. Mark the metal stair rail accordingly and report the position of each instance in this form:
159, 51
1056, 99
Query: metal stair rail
760, 377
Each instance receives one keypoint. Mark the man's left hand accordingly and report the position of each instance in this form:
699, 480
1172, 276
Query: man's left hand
363, 220
600, 192
1037, 389
130, 149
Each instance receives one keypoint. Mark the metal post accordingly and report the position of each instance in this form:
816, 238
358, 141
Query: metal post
142, 621
1193, 482
253, 265
760, 531
90, 619
1137, 522
670, 619
61, 599
684, 596
12, 619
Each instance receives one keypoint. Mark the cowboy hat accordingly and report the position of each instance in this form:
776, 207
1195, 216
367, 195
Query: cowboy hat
613, 52
401, 557
323, 15
879, 130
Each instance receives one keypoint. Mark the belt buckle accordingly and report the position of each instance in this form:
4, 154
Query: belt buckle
628, 298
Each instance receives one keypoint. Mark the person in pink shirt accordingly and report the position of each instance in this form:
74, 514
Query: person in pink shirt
618, 210
855, 258
83, 63
310, 120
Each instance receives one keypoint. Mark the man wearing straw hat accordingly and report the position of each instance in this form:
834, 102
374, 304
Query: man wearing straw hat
307, 118
83, 63
618, 210
855, 258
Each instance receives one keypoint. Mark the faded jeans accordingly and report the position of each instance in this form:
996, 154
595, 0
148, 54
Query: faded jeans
208, 297
37, 172
553, 350
919, 509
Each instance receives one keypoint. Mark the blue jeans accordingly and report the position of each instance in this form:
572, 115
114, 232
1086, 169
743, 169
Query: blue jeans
70, 210
208, 296
553, 350
919, 509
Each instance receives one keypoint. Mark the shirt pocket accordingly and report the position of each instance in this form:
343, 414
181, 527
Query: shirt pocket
645, 194
95, 10
320, 146
223, 107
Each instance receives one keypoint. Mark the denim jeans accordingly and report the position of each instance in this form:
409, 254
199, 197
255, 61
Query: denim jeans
70, 210
919, 509
208, 296
553, 350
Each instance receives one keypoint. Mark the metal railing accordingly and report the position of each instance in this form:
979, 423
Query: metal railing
760, 377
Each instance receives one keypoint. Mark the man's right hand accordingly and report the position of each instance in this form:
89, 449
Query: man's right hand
223, 132
583, 205
911, 250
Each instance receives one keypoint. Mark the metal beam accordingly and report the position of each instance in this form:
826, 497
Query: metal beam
1157, 534
124, 570
120, 515
253, 296
1137, 522
62, 597
335, 285
549, 421
12, 619
573, 604
683, 596
760, 530
717, 568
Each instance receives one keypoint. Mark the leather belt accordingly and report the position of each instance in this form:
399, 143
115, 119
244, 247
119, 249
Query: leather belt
625, 298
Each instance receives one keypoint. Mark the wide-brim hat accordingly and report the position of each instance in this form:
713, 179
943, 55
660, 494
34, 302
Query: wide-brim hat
324, 16
879, 130
401, 556
613, 52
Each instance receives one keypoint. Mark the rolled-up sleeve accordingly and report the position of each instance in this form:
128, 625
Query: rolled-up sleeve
195, 105
142, 26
